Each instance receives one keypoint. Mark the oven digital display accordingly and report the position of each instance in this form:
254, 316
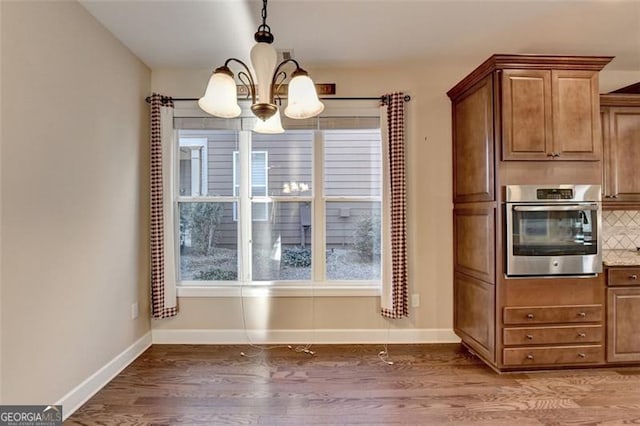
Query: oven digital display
554, 194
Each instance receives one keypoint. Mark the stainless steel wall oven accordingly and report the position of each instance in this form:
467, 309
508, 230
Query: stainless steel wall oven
553, 230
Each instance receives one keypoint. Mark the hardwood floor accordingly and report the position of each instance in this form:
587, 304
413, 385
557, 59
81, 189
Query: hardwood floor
341, 384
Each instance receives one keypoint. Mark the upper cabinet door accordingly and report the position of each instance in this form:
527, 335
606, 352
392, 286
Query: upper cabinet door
622, 159
576, 115
526, 115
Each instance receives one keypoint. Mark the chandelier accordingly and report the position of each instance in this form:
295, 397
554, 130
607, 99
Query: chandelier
221, 96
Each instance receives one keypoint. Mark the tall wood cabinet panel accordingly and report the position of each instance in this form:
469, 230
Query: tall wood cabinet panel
473, 154
621, 141
474, 316
474, 233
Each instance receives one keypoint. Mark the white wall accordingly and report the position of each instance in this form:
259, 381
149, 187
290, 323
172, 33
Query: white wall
429, 171
74, 192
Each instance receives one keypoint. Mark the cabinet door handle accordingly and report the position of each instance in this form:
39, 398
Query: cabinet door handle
633, 277
529, 316
551, 154
582, 314
530, 336
582, 334
582, 355
529, 356
556, 154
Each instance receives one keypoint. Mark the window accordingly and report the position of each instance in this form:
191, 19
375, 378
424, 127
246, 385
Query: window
298, 208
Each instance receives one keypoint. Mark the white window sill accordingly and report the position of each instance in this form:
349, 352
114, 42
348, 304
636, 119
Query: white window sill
278, 290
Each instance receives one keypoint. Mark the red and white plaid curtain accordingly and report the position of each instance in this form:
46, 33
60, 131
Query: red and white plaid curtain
395, 287
163, 276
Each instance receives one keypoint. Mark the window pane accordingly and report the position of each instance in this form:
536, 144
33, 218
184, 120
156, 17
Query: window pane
282, 244
287, 159
353, 234
208, 242
352, 162
215, 176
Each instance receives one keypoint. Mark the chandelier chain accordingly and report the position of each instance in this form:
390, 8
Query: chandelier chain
264, 12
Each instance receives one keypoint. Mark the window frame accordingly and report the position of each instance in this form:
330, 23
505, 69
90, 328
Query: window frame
318, 285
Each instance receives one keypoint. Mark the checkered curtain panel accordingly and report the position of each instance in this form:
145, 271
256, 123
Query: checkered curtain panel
163, 277
395, 292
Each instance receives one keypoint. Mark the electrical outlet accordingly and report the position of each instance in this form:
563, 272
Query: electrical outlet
134, 310
415, 300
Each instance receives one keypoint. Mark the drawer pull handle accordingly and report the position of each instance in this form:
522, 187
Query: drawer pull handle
582, 314
530, 336
633, 277
582, 334
581, 355
529, 316
529, 356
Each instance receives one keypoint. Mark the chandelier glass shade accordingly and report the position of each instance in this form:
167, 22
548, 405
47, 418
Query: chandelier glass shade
221, 96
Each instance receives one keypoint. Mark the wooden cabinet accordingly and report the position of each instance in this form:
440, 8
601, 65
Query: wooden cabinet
554, 355
550, 115
531, 108
623, 314
621, 142
553, 314
569, 332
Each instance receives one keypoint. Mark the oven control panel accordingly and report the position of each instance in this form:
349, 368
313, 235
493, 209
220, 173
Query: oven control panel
554, 194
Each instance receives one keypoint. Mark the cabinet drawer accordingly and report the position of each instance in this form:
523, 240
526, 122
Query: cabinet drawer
549, 355
552, 314
553, 335
623, 276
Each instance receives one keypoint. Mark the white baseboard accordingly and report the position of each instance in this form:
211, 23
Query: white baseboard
85, 390
322, 336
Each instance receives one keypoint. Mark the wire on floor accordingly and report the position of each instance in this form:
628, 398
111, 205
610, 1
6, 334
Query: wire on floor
384, 354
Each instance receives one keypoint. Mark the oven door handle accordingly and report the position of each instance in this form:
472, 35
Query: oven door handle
573, 207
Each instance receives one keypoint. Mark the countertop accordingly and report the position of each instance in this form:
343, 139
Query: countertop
621, 257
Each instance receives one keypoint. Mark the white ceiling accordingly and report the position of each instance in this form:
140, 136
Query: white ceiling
203, 33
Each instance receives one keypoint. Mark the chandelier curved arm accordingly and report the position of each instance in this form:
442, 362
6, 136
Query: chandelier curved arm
280, 76
278, 81
245, 77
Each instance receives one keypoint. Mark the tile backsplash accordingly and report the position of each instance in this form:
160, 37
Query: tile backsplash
620, 229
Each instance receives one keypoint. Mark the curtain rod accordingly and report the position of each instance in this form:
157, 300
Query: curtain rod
407, 98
